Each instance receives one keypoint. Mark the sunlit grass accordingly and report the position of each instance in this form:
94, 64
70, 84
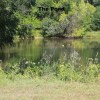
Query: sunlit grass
93, 34
42, 89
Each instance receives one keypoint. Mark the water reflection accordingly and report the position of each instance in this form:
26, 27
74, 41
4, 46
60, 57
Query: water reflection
51, 50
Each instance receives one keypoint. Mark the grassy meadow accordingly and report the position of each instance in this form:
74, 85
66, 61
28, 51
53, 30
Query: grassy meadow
44, 89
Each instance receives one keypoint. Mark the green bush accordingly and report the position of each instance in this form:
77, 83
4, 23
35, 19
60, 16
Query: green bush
63, 71
96, 20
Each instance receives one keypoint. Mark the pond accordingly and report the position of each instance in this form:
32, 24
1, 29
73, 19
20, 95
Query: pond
51, 50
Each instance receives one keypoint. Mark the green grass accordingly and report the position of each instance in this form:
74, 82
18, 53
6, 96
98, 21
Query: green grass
43, 89
93, 34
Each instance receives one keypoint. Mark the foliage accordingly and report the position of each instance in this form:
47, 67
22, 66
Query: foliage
51, 28
24, 6
75, 22
27, 23
70, 73
79, 19
64, 71
96, 20
24, 18
8, 22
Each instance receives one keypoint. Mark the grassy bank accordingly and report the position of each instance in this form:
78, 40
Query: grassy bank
37, 35
42, 89
93, 34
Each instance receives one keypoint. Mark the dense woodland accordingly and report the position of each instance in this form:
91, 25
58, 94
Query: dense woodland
23, 18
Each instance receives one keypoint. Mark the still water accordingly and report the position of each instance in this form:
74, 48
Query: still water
51, 50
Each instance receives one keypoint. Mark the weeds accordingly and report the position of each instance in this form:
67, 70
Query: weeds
70, 70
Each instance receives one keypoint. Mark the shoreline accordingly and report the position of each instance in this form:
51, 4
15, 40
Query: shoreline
88, 35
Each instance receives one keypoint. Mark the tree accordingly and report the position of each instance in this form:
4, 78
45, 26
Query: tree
8, 22
90, 1
96, 20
